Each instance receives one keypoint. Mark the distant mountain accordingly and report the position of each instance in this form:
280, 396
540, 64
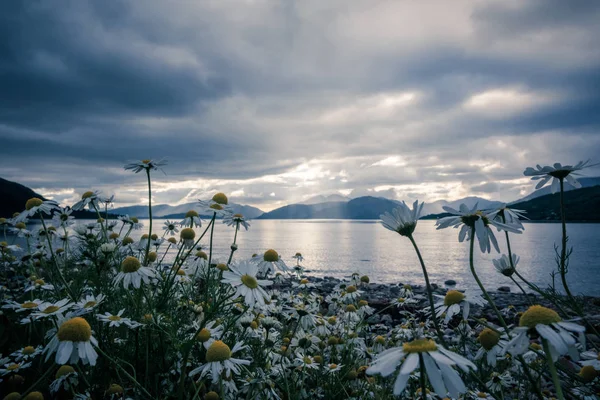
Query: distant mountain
585, 182
325, 199
580, 205
167, 211
13, 197
437, 206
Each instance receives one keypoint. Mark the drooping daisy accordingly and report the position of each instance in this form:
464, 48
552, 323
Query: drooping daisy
117, 320
170, 227
146, 165
303, 283
452, 302
242, 276
219, 359
209, 334
491, 346
35, 205
438, 366
236, 220
402, 220
305, 341
508, 215
191, 219
65, 378
73, 342
88, 303
89, 199
474, 219
503, 264
556, 174
187, 236
269, 262
547, 323
217, 205
133, 273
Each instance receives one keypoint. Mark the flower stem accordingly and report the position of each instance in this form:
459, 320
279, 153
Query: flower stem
563, 251
212, 231
233, 246
429, 291
422, 377
149, 216
552, 368
62, 278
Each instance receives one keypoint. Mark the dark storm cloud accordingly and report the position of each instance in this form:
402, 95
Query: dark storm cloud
281, 101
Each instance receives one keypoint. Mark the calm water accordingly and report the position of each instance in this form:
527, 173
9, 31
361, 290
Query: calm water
340, 247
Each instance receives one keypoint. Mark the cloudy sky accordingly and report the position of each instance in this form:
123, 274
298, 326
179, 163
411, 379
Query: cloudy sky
273, 102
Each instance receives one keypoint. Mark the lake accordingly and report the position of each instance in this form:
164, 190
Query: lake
340, 247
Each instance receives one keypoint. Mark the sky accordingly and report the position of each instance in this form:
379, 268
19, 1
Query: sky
273, 102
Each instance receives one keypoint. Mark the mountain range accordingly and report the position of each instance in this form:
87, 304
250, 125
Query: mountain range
175, 212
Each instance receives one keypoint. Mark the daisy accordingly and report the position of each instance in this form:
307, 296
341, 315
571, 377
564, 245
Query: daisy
303, 284
47, 309
117, 320
170, 227
406, 291
35, 205
218, 205
187, 236
236, 220
242, 276
219, 359
20, 230
65, 378
269, 262
38, 284
13, 368
592, 358
474, 220
147, 165
298, 257
499, 382
209, 334
503, 264
27, 353
436, 359
333, 368
73, 342
89, 199
402, 302
549, 326
21, 307
491, 346
402, 220
191, 219
452, 302
305, 341
133, 273
88, 303
351, 294
508, 215
306, 362
557, 173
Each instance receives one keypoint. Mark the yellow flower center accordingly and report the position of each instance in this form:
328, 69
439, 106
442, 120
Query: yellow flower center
588, 373
538, 315
332, 320
51, 309
318, 359
238, 216
407, 287
33, 202
39, 282
217, 207
191, 213
220, 198
363, 303
152, 256
113, 236
28, 350
332, 366
488, 338
271, 256
89, 304
222, 267
401, 300
12, 367
87, 194
127, 240
211, 396
201, 254
172, 240
482, 395
304, 281
453, 297
114, 389
144, 236
307, 360
34, 396
203, 335
419, 346
535, 346
75, 330
249, 281
351, 289
29, 304
380, 340
218, 351
135, 220
20, 225
350, 308
114, 318
187, 234
365, 279
63, 370
146, 161
13, 396
130, 264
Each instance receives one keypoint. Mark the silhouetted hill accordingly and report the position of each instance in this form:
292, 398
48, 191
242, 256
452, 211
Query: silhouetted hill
174, 212
366, 207
585, 183
13, 197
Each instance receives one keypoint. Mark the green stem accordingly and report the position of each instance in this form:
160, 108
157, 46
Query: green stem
212, 231
522, 290
429, 291
149, 216
422, 377
237, 227
552, 368
62, 278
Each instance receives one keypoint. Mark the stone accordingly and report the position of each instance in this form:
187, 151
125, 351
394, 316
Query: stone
505, 289
450, 282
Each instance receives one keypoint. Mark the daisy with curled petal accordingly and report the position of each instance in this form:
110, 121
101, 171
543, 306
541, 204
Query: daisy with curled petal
242, 276
556, 333
170, 227
236, 220
133, 273
35, 205
437, 360
146, 165
402, 220
503, 264
478, 221
209, 334
219, 359
269, 262
117, 320
557, 173
89, 199
453, 300
73, 342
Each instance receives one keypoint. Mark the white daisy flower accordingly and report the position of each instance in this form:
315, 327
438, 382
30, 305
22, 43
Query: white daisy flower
219, 359
21, 307
269, 262
186, 237
236, 220
170, 227
402, 220
35, 205
73, 342
477, 220
48, 309
218, 205
117, 320
146, 165
65, 378
133, 273
351, 294
305, 341
333, 368
89, 303
452, 302
503, 264
303, 283
551, 328
556, 174
27, 353
191, 219
491, 346
508, 215
38, 284
298, 257
89, 199
592, 358
306, 362
437, 361
242, 276
13, 368
209, 334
